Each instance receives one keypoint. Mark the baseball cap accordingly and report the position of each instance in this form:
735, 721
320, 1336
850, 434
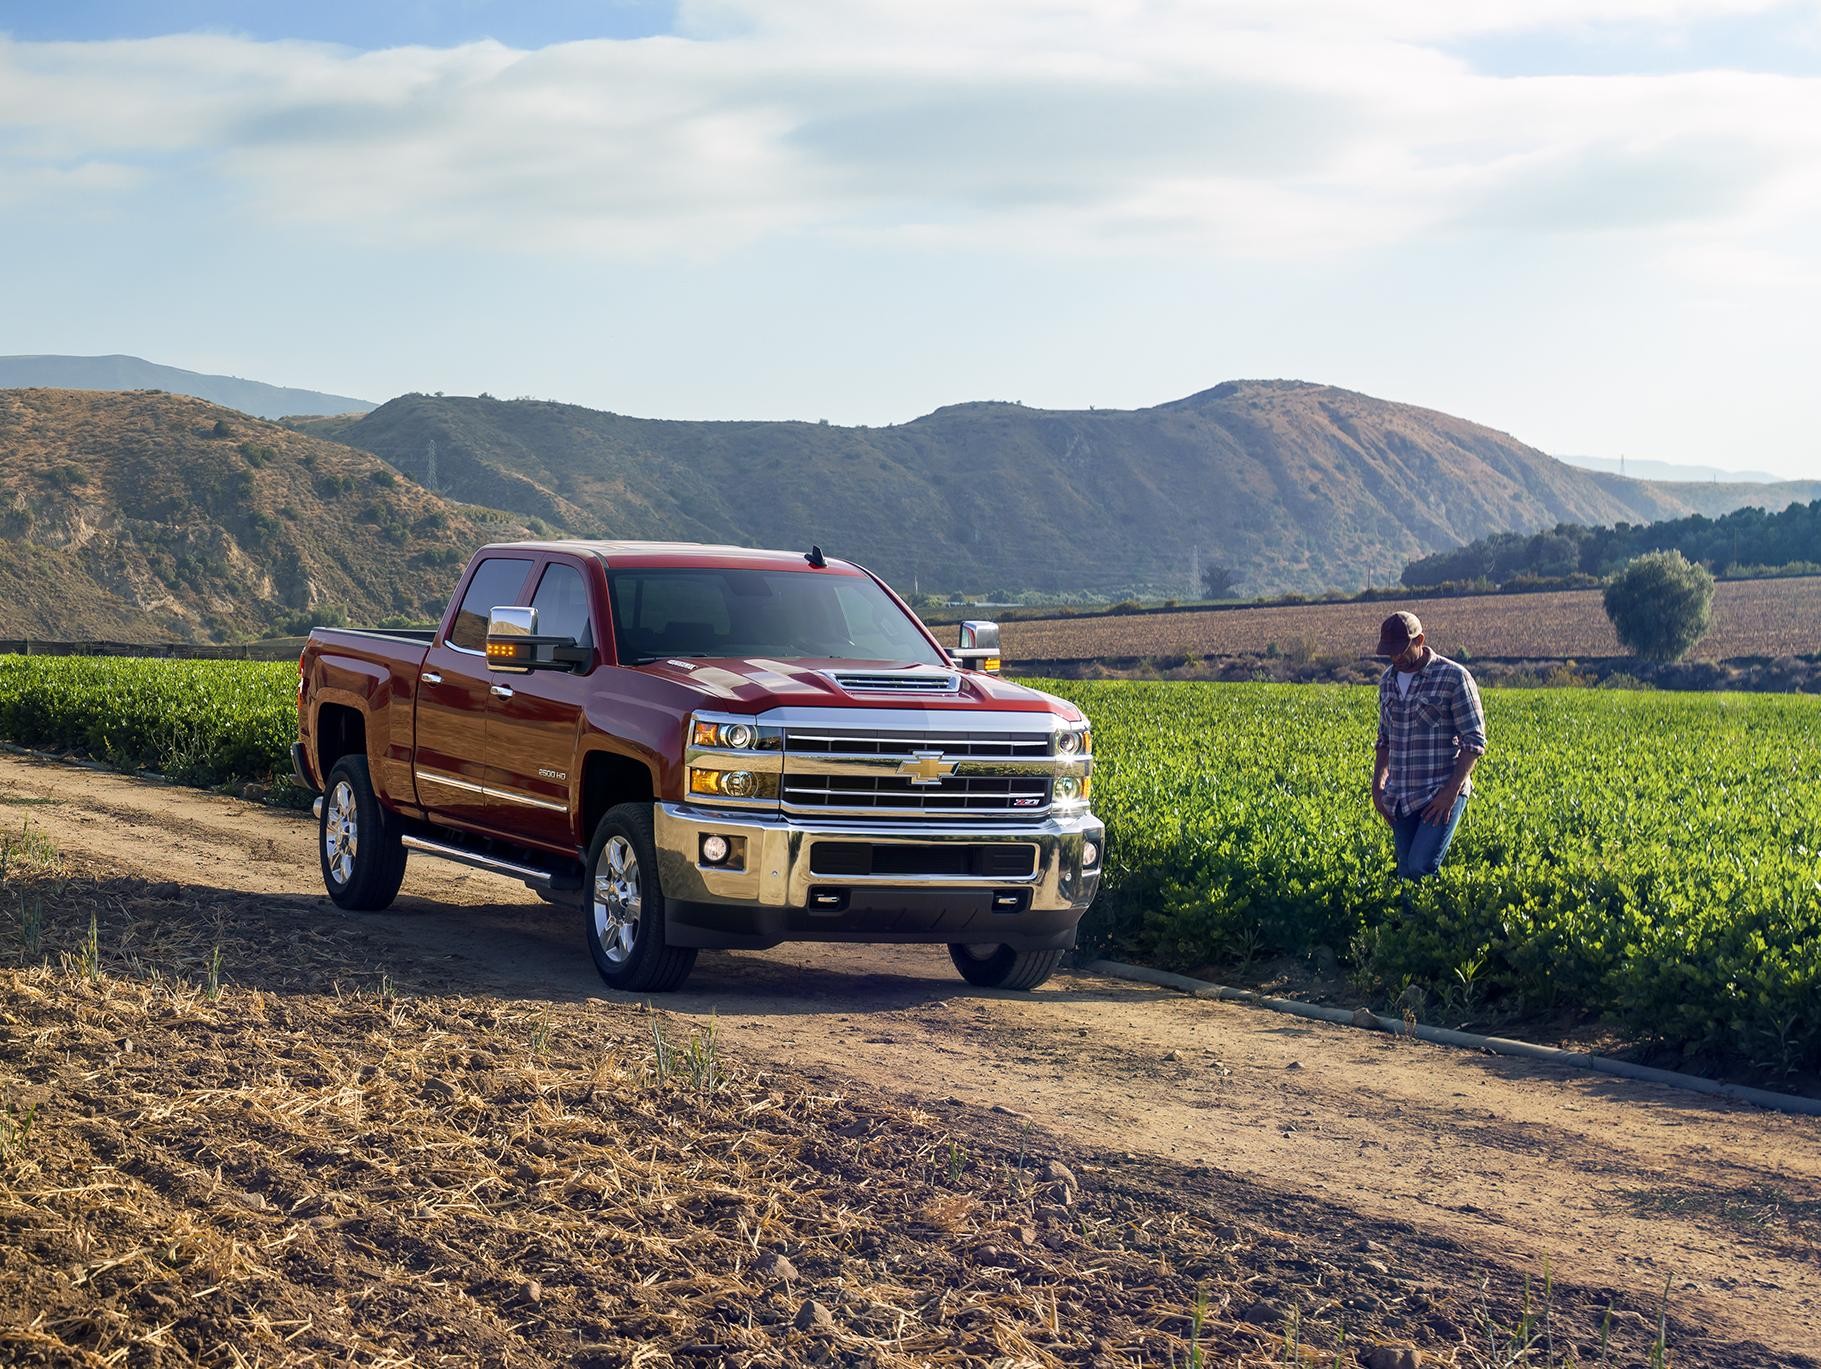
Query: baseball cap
1396, 632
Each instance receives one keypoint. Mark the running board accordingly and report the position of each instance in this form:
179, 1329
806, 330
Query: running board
529, 873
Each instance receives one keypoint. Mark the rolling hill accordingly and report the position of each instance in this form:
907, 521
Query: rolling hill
132, 373
149, 517
1297, 486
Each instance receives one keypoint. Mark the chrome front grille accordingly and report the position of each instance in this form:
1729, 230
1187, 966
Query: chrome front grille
973, 745
909, 775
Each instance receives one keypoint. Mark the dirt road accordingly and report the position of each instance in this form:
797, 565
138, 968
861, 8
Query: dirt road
1598, 1180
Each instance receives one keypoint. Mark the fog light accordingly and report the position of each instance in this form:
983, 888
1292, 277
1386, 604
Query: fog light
739, 784
714, 850
1090, 854
1067, 787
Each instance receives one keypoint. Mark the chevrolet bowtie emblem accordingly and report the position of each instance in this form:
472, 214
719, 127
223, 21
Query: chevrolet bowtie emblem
926, 767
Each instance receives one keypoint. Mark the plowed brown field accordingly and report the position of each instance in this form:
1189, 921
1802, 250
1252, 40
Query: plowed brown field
426, 1136
1750, 618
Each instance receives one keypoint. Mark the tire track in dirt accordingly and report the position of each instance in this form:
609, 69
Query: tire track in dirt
1601, 1179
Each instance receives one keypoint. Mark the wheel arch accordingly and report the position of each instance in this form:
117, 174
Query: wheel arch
341, 730
610, 778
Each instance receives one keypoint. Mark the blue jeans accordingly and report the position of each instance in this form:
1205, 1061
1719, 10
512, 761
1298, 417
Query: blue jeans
1421, 845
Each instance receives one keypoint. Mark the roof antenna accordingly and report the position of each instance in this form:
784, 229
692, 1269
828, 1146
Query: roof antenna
814, 556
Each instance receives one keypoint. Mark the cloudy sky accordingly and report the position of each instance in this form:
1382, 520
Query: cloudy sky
1595, 224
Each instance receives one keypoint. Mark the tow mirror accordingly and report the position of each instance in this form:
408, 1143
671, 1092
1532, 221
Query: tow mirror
513, 644
979, 646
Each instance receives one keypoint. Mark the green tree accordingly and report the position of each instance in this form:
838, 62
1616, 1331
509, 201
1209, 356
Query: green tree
1219, 581
1660, 605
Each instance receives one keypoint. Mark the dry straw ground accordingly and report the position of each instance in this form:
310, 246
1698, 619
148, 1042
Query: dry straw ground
1750, 618
227, 1137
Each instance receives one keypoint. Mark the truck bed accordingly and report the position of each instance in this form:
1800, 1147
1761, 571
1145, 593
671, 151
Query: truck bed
364, 679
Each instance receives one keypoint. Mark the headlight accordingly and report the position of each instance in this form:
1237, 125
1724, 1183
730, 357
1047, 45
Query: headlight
1074, 741
732, 784
725, 732
730, 736
733, 759
1072, 791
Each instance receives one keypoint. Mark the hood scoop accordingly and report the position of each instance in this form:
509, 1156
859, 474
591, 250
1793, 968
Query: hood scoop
923, 680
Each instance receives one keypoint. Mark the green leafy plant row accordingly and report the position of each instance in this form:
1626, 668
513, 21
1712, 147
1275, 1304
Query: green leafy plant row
1651, 858
199, 722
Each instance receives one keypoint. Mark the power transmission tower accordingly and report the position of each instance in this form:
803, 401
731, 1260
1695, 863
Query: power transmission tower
430, 467
1195, 572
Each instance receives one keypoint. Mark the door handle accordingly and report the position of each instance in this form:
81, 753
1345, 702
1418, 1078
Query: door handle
431, 677
501, 691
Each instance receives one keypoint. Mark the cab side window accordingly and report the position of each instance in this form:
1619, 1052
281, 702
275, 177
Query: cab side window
496, 584
562, 604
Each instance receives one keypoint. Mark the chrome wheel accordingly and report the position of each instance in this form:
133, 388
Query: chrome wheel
617, 900
341, 832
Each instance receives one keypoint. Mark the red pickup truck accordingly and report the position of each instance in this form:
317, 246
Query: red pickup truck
701, 746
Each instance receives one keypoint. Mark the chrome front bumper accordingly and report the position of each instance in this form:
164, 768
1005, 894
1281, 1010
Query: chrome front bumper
773, 896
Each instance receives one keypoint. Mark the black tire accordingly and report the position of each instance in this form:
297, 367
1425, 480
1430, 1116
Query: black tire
357, 841
1000, 967
623, 907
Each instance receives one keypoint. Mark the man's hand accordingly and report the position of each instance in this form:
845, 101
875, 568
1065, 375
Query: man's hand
1382, 802
1435, 813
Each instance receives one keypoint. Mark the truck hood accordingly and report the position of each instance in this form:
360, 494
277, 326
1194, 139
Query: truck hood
759, 683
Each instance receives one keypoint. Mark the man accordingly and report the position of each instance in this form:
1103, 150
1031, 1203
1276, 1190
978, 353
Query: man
1431, 733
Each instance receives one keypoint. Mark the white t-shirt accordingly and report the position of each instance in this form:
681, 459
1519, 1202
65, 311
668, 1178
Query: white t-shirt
1403, 683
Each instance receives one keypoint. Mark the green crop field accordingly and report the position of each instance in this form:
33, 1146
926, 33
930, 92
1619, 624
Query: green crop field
201, 722
1654, 859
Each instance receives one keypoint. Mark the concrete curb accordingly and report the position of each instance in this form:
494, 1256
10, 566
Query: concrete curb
1367, 1020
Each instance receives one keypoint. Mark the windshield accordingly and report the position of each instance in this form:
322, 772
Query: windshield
665, 612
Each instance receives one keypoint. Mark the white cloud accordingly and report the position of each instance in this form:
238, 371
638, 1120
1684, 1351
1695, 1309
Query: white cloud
1278, 128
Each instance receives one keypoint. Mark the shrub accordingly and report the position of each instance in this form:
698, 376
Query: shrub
1660, 605
298, 624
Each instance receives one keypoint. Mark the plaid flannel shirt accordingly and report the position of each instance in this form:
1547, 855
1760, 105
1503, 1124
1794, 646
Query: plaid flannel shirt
1426, 731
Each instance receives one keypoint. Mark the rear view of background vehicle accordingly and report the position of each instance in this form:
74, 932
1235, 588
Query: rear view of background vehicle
706, 747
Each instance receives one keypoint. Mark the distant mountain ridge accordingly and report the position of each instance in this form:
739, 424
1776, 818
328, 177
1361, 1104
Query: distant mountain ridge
1298, 486
134, 373
1643, 468
151, 517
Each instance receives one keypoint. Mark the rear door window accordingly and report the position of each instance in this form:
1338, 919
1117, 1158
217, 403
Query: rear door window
496, 583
